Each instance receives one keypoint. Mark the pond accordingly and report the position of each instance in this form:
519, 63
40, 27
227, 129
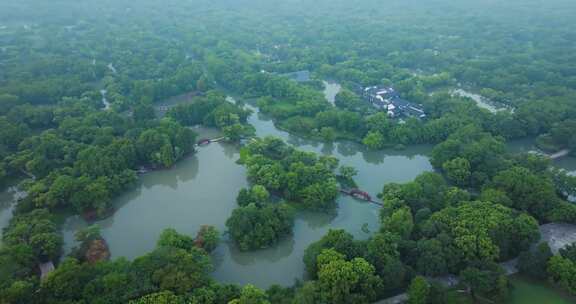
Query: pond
528, 291
199, 190
202, 190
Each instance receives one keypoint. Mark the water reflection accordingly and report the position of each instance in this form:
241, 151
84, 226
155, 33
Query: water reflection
283, 249
202, 190
526, 145
315, 220
283, 264
328, 148
191, 194
230, 150
347, 148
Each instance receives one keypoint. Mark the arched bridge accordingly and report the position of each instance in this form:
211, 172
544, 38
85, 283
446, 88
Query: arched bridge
361, 195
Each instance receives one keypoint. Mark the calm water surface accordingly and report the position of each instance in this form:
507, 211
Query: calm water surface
526, 145
202, 190
282, 264
199, 190
528, 291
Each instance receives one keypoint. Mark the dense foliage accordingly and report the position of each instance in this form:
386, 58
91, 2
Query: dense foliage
87, 98
299, 177
254, 227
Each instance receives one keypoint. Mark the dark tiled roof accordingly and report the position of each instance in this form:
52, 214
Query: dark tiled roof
403, 107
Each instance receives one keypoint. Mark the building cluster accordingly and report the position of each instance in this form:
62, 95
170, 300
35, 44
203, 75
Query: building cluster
387, 99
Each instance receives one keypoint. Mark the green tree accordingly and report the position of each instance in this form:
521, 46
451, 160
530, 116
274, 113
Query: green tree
328, 134
320, 196
174, 269
89, 233
347, 100
569, 252
234, 132
458, 171
563, 272
143, 112
166, 156
18, 292
339, 240
341, 281
374, 140
163, 297
432, 260
66, 282
251, 295
208, 238
171, 238
308, 293
382, 251
419, 291
252, 227
348, 172
486, 279
534, 262
528, 192
257, 195
36, 233
400, 222
487, 231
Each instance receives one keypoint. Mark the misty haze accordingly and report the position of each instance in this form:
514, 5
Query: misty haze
287, 151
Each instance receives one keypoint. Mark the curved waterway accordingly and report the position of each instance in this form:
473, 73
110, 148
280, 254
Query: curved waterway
202, 189
199, 190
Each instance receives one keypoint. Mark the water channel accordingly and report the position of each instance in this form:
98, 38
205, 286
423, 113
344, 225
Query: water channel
202, 188
567, 163
529, 291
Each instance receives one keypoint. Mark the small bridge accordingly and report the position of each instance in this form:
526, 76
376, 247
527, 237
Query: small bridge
559, 154
361, 195
207, 141
553, 156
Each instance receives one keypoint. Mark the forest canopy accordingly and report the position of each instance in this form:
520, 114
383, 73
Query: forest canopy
93, 94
